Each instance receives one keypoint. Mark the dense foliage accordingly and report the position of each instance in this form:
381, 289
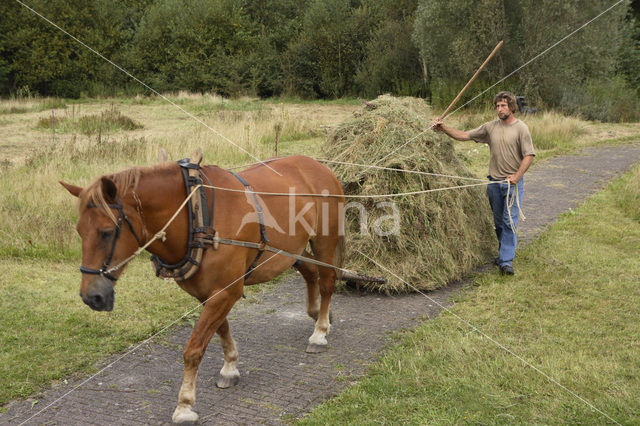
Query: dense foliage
326, 49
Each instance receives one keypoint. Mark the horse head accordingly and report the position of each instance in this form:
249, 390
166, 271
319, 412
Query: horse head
108, 238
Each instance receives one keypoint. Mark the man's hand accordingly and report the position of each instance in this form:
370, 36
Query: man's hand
437, 125
524, 166
514, 178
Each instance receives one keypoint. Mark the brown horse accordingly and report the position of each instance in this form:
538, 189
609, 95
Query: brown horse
120, 212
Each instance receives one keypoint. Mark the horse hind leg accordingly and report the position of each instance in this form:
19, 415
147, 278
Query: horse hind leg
328, 250
309, 272
229, 374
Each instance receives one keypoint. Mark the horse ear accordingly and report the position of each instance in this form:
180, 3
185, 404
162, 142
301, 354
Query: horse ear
162, 156
73, 190
196, 157
109, 189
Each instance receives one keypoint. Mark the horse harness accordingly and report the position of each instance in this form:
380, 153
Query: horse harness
105, 266
201, 232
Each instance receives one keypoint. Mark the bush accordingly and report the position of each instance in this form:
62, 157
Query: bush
607, 101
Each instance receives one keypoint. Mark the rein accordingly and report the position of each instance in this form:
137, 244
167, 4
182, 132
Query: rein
104, 271
202, 234
511, 197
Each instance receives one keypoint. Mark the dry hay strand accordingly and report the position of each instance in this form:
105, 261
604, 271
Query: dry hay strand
441, 235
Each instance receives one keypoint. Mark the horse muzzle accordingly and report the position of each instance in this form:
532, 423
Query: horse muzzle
100, 296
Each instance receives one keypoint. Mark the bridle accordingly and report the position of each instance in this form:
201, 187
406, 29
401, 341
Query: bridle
104, 270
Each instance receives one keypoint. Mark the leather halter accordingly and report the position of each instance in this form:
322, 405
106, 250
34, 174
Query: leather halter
103, 271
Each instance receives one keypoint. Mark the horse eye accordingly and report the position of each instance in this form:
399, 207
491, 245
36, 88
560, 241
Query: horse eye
106, 233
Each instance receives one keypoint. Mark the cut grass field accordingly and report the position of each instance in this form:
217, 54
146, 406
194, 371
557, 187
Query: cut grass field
571, 311
49, 333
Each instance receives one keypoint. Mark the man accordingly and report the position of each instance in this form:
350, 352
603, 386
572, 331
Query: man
512, 153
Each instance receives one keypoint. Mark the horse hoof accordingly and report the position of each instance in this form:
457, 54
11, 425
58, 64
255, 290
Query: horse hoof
314, 348
184, 415
227, 382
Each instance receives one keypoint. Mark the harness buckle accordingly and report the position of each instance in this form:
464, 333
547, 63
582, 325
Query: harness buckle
216, 241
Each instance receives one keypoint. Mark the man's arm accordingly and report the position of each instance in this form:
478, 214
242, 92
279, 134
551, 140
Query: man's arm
453, 133
524, 165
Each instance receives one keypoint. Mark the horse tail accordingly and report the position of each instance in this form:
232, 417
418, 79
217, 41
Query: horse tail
338, 256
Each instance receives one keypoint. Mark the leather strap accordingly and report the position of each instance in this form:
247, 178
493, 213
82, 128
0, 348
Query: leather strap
201, 230
263, 233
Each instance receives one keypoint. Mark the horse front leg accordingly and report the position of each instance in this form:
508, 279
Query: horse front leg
229, 374
213, 316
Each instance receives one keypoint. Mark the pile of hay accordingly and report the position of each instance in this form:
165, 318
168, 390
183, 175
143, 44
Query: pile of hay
441, 235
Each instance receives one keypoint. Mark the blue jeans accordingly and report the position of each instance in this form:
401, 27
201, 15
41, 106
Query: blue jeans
507, 239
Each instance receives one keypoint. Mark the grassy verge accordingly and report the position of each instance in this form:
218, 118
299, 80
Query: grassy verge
572, 310
50, 333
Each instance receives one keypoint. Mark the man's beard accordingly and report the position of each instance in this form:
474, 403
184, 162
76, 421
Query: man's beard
505, 116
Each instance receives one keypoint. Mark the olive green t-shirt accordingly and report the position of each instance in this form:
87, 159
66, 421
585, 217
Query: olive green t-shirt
508, 145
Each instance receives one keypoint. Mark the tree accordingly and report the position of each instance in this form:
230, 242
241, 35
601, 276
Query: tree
325, 58
391, 60
454, 37
276, 23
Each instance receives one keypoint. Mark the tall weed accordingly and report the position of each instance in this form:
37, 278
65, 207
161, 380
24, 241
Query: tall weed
108, 121
628, 194
551, 130
31, 104
37, 215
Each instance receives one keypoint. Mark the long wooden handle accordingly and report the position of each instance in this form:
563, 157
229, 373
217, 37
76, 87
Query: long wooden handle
498, 46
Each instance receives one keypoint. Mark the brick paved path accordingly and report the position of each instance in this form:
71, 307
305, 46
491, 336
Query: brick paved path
279, 381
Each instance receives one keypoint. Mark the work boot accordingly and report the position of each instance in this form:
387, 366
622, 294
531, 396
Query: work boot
506, 270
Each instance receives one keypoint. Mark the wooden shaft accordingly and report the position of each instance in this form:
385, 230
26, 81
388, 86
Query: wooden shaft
498, 46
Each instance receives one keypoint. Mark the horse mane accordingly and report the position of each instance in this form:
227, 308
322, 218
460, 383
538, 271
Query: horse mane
126, 181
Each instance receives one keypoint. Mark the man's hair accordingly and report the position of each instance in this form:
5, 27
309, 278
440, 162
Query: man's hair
509, 98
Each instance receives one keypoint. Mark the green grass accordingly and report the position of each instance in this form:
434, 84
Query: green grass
572, 310
108, 121
30, 104
50, 333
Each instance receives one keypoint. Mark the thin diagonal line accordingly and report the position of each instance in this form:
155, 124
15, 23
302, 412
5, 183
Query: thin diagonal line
142, 343
147, 86
491, 339
536, 57
504, 78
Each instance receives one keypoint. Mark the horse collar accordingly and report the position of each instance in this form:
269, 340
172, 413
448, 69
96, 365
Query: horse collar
201, 232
